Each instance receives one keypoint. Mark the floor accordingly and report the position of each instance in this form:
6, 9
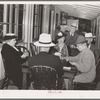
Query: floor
98, 86
15, 88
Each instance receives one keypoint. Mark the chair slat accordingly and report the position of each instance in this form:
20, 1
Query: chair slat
44, 77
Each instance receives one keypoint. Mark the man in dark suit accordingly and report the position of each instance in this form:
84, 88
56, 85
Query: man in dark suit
89, 37
71, 39
44, 58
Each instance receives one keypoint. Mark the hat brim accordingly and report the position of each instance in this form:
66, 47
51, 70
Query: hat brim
74, 26
9, 38
81, 42
43, 45
90, 37
58, 37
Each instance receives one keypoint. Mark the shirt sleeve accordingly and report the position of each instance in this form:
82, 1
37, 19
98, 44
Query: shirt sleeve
84, 65
75, 58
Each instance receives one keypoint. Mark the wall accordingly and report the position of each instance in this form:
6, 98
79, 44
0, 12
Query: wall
96, 30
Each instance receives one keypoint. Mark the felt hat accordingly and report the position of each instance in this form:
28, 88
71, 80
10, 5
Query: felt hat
80, 39
44, 41
9, 36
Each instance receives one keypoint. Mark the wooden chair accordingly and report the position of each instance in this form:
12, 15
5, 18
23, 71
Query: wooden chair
91, 85
33, 49
43, 78
23, 49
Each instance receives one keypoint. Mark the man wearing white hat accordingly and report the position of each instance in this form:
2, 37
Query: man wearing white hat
71, 39
43, 58
89, 37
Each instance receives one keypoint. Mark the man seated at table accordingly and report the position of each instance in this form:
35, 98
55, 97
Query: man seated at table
84, 61
44, 58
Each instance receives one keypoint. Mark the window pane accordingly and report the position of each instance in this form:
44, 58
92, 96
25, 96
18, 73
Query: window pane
8, 13
13, 15
37, 22
19, 32
1, 13
20, 22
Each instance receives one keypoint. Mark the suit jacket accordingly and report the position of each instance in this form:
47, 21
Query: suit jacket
95, 51
13, 63
85, 63
71, 40
46, 59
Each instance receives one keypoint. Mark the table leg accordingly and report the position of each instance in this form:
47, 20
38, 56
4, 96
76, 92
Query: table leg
70, 84
24, 81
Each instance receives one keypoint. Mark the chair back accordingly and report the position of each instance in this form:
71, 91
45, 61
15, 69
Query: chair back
43, 77
33, 49
97, 79
23, 49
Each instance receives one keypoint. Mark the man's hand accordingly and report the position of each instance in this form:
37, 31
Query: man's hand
25, 54
65, 58
73, 63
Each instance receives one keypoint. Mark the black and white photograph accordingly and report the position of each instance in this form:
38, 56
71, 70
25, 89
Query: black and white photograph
50, 46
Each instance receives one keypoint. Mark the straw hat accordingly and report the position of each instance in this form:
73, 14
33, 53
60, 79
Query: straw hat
44, 41
80, 39
9, 36
89, 35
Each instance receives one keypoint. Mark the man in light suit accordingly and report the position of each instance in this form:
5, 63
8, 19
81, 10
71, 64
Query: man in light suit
89, 37
71, 39
44, 58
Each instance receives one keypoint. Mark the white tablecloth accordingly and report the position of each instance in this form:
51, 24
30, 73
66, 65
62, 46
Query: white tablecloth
2, 70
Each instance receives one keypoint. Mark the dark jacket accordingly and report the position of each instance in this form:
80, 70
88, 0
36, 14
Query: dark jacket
13, 63
71, 40
46, 59
95, 51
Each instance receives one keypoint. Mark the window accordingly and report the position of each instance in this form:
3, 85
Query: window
14, 19
37, 21
1, 22
63, 18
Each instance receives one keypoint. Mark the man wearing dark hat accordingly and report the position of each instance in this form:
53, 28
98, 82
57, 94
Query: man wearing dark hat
13, 59
84, 61
44, 58
57, 31
71, 39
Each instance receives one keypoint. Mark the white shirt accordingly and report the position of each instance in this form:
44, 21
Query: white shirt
89, 46
71, 34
